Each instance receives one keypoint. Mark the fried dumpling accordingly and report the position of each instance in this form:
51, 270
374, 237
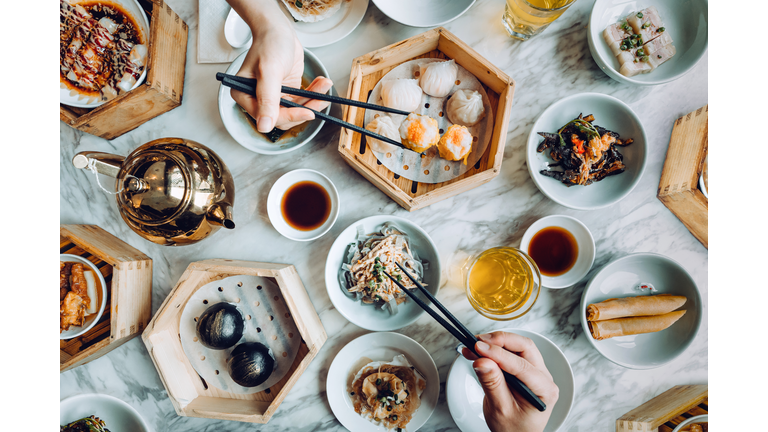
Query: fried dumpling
403, 94
455, 144
465, 107
437, 78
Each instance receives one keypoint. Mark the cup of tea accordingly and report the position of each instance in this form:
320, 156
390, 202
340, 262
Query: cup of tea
526, 18
303, 205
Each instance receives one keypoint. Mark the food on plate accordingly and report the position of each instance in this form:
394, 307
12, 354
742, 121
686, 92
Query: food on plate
455, 144
78, 294
250, 364
437, 78
634, 306
696, 427
102, 51
383, 125
500, 281
401, 93
220, 326
633, 325
419, 132
387, 393
586, 152
639, 42
554, 250
306, 206
86, 424
366, 260
465, 107
312, 10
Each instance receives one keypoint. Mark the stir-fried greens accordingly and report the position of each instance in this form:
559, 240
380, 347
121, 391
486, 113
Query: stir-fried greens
86, 424
586, 152
366, 260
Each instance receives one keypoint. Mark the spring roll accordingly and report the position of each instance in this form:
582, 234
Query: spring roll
634, 306
635, 325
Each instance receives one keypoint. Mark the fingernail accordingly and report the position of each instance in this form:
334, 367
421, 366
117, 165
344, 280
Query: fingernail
483, 346
482, 370
265, 124
484, 336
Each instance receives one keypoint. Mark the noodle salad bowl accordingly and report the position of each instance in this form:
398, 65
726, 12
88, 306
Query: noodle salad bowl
380, 315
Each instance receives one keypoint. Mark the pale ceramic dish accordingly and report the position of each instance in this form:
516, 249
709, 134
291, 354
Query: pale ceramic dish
379, 347
118, 415
611, 114
684, 20
618, 279
704, 418
584, 240
236, 31
90, 320
138, 14
423, 13
372, 317
275, 197
465, 395
332, 29
241, 128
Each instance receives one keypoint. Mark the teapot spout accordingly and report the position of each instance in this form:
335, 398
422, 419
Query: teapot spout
220, 214
105, 163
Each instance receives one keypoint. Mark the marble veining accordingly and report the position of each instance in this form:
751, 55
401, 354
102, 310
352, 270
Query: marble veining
553, 65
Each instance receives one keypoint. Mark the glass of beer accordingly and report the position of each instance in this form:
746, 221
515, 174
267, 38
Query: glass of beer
526, 18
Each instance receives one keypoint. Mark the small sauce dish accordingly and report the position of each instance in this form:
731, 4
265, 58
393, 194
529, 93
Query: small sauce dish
568, 263
303, 205
236, 31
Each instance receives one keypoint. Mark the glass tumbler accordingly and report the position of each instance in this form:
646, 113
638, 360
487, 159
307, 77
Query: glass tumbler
526, 18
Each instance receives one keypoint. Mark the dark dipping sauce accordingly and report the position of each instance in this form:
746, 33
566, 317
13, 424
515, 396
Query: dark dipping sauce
554, 250
306, 206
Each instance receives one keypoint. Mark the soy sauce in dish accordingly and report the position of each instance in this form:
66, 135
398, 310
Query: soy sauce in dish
306, 206
554, 249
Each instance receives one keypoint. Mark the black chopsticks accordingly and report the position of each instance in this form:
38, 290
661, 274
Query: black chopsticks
247, 88
461, 333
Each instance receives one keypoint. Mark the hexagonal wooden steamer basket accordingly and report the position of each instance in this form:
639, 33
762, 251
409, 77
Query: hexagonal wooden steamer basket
190, 394
370, 68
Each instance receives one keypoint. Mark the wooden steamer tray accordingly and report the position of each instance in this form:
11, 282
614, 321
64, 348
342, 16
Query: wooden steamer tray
679, 185
189, 393
667, 410
160, 92
128, 273
370, 68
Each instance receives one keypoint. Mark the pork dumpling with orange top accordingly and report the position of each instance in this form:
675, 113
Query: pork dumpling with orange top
419, 132
455, 144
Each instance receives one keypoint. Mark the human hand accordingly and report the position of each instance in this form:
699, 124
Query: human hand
506, 410
275, 59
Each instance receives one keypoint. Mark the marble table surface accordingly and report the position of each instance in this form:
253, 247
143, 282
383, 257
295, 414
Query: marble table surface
553, 65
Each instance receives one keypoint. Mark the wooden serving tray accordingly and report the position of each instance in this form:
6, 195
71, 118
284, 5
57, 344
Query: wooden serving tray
667, 410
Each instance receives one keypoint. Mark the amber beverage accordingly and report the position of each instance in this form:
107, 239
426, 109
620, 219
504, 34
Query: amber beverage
526, 18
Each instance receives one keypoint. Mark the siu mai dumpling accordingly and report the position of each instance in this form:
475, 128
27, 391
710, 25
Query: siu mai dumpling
403, 94
437, 78
383, 125
419, 132
465, 107
455, 144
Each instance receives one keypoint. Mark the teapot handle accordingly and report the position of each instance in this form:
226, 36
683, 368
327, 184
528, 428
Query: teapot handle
105, 163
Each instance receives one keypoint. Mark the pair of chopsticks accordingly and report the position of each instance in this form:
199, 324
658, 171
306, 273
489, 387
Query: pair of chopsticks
463, 335
248, 85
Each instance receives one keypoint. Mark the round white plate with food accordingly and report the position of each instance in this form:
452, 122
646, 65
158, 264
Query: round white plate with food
100, 286
128, 13
465, 395
117, 415
423, 13
378, 315
640, 275
611, 114
382, 347
685, 27
334, 22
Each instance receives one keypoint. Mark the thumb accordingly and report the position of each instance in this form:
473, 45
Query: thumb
492, 380
267, 99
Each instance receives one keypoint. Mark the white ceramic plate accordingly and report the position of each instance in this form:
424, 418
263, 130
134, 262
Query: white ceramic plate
138, 14
584, 240
619, 279
372, 317
90, 320
118, 415
423, 13
703, 186
242, 129
274, 201
465, 395
684, 20
379, 347
611, 114
704, 418
332, 29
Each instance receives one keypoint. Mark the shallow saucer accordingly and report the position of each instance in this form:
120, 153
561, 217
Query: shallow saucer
118, 415
90, 320
274, 204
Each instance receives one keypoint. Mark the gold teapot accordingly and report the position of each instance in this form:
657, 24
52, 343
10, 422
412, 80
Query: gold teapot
171, 191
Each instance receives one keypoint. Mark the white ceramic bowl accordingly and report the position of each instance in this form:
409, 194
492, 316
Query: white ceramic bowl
274, 201
140, 16
332, 29
379, 347
618, 279
611, 114
704, 418
684, 20
423, 13
90, 320
371, 317
584, 240
241, 128
118, 415
465, 395
702, 185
